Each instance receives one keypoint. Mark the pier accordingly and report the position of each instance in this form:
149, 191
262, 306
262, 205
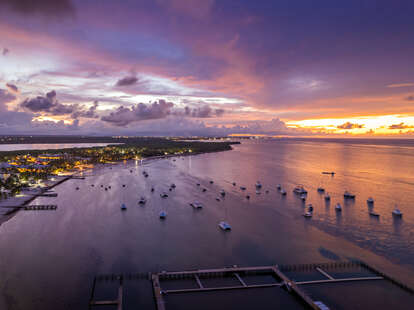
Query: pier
289, 278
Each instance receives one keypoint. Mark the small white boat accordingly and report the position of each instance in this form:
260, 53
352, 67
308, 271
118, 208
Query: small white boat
320, 189
283, 192
163, 215
258, 184
372, 213
218, 199
164, 195
348, 195
173, 186
222, 193
279, 186
327, 197
300, 190
196, 205
307, 214
370, 200
224, 225
242, 188
142, 200
303, 197
338, 207
123, 207
257, 192
397, 213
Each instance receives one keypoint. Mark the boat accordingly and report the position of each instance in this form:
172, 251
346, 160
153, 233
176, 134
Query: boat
164, 195
198, 184
218, 198
242, 188
173, 185
370, 200
328, 172
152, 189
300, 190
234, 183
307, 214
163, 215
222, 193
196, 205
142, 200
211, 182
204, 190
372, 213
267, 191
327, 197
320, 189
257, 192
303, 197
397, 213
224, 226
258, 184
283, 192
247, 196
123, 207
310, 208
338, 207
279, 186
348, 195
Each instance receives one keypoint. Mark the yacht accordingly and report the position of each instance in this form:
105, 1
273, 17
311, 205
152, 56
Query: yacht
328, 172
218, 198
310, 208
247, 196
338, 207
257, 192
234, 183
164, 195
303, 197
320, 189
152, 189
299, 190
242, 188
327, 197
211, 182
163, 215
123, 207
142, 200
279, 186
397, 213
196, 205
198, 184
222, 193
283, 192
307, 214
370, 200
348, 195
173, 185
204, 190
224, 225
258, 184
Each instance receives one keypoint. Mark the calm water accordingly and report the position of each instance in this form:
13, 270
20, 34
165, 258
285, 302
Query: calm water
18, 147
49, 258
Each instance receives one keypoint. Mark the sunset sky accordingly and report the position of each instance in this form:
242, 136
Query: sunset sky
207, 67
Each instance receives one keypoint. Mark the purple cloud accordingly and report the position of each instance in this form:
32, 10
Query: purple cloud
349, 125
127, 81
400, 126
45, 7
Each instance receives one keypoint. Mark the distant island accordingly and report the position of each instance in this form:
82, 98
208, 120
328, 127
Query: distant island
24, 168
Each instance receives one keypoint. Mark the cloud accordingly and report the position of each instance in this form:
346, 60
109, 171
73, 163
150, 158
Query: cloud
193, 8
50, 105
204, 111
44, 7
349, 125
127, 81
5, 51
400, 126
410, 98
12, 88
124, 116
400, 85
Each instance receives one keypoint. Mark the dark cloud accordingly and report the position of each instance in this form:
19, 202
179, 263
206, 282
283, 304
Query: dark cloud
5, 51
50, 105
349, 125
12, 88
127, 81
204, 111
400, 126
410, 98
124, 116
45, 7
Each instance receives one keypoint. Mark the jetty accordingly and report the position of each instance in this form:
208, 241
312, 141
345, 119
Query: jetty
294, 280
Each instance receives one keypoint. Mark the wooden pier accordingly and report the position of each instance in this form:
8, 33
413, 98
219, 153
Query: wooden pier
117, 302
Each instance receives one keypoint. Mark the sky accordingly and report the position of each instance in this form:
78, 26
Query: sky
207, 67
